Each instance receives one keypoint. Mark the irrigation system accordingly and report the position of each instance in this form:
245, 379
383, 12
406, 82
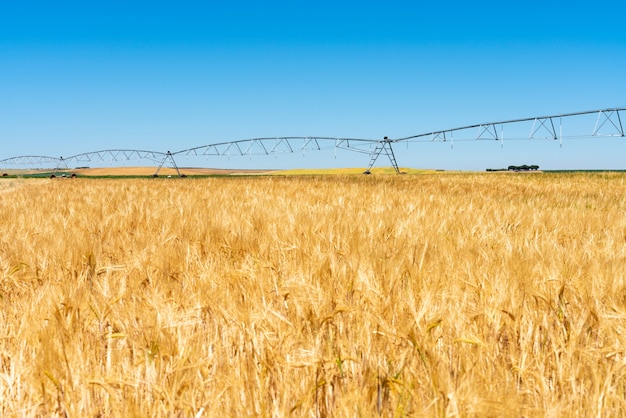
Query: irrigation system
587, 124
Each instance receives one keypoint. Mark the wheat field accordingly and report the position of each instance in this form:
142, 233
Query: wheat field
437, 295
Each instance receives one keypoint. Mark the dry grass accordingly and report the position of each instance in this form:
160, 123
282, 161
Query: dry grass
164, 171
167, 171
347, 171
435, 295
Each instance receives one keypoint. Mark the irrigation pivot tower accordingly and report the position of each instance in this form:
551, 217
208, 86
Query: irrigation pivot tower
383, 146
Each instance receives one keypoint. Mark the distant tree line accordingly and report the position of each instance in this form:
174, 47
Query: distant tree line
516, 168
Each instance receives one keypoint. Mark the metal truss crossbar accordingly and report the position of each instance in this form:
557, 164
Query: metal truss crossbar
613, 118
547, 124
487, 130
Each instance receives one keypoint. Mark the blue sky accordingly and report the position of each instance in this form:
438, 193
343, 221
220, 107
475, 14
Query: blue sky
85, 76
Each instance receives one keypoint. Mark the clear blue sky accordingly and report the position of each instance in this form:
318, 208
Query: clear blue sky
84, 76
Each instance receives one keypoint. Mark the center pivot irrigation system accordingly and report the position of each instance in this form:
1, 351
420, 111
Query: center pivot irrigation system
588, 124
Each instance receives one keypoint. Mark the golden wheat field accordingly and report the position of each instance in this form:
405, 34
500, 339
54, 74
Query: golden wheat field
436, 295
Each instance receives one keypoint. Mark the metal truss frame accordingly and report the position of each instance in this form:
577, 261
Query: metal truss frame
608, 123
33, 160
541, 127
